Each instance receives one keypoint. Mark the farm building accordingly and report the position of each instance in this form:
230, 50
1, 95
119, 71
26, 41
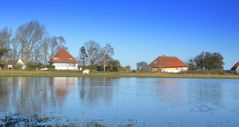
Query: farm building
63, 60
170, 64
13, 64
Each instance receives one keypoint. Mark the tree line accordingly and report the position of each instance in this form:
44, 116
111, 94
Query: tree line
31, 42
95, 57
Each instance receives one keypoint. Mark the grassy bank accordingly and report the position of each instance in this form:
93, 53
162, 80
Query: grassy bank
111, 74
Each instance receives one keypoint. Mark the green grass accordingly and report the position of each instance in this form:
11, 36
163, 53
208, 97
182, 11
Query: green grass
110, 74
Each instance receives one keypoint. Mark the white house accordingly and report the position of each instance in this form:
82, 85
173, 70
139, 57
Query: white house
13, 64
168, 64
63, 60
19, 64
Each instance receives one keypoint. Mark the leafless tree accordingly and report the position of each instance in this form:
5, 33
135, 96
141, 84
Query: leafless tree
93, 50
50, 46
55, 43
45, 47
14, 49
30, 42
142, 66
108, 52
29, 36
37, 55
5, 38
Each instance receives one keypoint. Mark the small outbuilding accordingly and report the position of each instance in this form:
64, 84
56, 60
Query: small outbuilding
170, 64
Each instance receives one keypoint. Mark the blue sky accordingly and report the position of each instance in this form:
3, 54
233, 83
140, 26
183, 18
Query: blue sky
137, 29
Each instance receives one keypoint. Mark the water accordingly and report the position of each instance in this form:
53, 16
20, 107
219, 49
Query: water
150, 102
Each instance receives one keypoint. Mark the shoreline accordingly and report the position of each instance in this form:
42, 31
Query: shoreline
6, 73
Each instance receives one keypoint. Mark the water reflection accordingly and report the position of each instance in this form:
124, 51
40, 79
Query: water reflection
155, 101
205, 95
24, 94
170, 91
94, 90
36, 95
61, 86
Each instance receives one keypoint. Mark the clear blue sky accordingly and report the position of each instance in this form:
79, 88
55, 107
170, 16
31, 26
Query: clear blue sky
138, 29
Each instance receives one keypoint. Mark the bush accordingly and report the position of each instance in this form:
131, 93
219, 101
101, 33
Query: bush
219, 72
50, 67
33, 66
90, 67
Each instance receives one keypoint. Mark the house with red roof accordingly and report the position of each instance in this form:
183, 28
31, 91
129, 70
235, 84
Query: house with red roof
170, 64
63, 60
235, 67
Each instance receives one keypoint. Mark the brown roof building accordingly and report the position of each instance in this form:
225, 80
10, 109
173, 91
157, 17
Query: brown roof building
63, 60
169, 64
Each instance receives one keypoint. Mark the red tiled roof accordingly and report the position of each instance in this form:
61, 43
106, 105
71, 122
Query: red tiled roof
62, 56
167, 61
235, 66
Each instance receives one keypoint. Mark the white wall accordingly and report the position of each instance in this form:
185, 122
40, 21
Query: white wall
22, 64
65, 66
237, 69
175, 70
184, 69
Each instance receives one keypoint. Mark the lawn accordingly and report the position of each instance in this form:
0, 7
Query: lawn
110, 74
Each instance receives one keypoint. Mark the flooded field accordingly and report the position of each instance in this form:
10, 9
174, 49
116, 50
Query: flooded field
147, 102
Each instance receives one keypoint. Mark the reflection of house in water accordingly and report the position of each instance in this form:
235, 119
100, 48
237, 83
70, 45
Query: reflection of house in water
38, 95
61, 85
170, 91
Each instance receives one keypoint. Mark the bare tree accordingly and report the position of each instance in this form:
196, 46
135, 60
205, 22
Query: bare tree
29, 43
14, 49
5, 38
50, 45
93, 50
55, 43
29, 36
108, 52
45, 49
142, 66
37, 55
